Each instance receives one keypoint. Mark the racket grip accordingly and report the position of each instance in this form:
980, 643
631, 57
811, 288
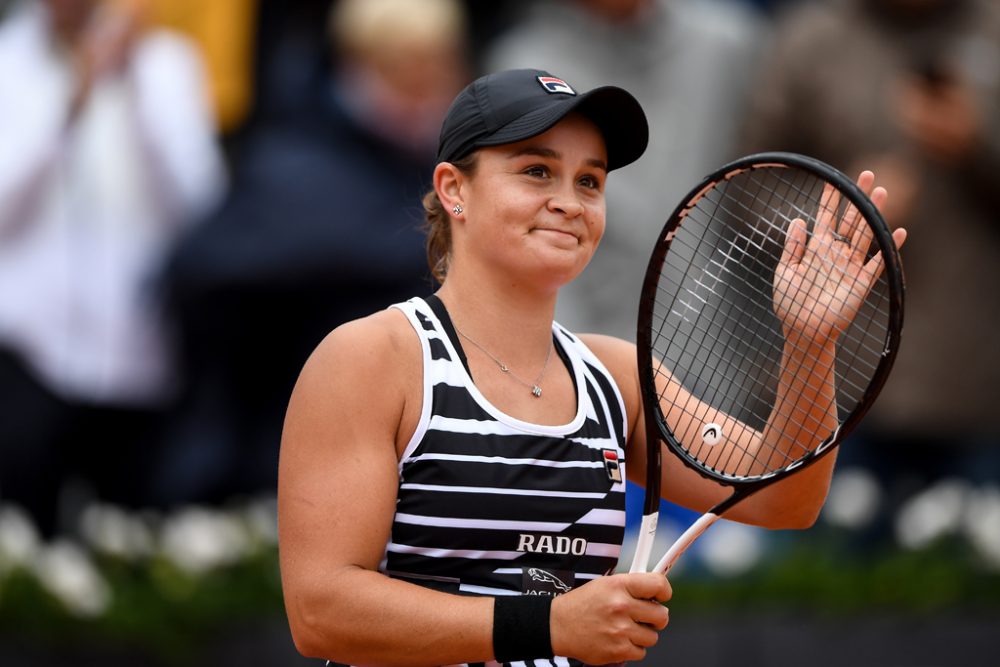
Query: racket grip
684, 541
644, 543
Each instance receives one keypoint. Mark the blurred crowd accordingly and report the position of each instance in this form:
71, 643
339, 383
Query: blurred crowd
192, 194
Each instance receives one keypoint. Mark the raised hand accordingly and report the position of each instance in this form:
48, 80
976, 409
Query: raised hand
823, 278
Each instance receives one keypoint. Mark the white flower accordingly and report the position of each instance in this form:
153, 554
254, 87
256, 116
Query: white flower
730, 549
932, 514
111, 530
198, 540
66, 571
854, 498
982, 523
19, 540
262, 519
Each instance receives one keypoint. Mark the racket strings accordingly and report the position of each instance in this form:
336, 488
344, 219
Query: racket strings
843, 210
715, 329
747, 326
849, 334
861, 354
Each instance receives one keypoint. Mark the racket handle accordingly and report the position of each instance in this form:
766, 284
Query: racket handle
644, 544
684, 541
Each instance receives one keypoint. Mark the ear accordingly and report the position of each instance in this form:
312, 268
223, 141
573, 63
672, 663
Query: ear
449, 183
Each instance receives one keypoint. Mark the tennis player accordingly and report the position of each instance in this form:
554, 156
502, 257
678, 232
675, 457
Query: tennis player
452, 476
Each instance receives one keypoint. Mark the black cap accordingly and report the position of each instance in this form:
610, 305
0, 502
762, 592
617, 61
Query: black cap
514, 105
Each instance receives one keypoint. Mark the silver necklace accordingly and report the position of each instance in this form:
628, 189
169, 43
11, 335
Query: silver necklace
535, 387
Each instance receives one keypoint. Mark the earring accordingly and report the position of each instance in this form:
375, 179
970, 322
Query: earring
457, 209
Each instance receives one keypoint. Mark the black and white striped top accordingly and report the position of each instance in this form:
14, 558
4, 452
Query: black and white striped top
492, 505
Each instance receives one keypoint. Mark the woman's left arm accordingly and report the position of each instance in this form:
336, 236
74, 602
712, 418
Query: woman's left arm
820, 283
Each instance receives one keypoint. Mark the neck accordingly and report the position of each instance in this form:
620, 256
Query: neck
514, 325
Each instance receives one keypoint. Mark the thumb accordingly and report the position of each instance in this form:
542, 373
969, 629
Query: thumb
648, 586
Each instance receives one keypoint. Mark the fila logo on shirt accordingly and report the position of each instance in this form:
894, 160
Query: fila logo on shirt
553, 85
551, 544
611, 465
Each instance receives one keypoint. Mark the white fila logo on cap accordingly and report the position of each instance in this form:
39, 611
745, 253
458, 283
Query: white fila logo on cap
554, 85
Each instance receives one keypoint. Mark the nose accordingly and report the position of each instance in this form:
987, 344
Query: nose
566, 202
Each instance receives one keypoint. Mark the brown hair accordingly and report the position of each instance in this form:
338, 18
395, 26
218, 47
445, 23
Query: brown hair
437, 224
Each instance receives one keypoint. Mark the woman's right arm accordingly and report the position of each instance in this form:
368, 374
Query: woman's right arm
336, 498
352, 410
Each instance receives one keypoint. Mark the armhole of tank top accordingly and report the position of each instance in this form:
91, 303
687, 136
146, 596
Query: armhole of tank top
409, 309
588, 359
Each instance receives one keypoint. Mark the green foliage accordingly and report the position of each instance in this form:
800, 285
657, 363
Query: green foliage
155, 607
158, 608
825, 576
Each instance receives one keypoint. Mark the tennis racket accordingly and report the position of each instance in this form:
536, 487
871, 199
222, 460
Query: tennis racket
769, 319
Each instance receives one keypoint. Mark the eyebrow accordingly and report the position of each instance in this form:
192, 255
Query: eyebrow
540, 151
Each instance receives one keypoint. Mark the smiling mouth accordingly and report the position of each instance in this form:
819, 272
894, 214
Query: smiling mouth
560, 232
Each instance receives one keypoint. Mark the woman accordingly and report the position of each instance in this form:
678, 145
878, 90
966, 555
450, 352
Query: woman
443, 492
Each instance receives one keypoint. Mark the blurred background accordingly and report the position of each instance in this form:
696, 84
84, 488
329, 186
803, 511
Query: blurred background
192, 194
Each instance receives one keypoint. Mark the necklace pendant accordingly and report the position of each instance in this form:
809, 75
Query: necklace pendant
503, 367
536, 391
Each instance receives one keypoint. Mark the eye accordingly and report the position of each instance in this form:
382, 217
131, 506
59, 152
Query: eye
538, 171
590, 182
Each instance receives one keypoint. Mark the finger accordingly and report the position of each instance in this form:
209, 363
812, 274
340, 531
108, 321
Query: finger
875, 266
644, 636
795, 242
647, 586
635, 654
653, 614
866, 180
862, 240
899, 236
852, 216
825, 215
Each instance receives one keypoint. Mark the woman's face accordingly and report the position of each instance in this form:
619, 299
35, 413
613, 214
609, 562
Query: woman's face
535, 209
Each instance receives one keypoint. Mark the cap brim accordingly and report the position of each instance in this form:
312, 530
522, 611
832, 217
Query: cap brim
617, 114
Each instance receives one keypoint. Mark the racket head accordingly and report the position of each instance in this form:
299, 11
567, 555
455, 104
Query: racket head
706, 314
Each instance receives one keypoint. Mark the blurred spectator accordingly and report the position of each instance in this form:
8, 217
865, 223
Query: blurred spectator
687, 61
224, 31
911, 89
323, 225
107, 151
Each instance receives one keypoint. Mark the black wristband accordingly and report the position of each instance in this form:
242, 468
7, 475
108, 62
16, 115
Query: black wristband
521, 627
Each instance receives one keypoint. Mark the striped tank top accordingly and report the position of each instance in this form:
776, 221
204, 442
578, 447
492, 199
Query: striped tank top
492, 505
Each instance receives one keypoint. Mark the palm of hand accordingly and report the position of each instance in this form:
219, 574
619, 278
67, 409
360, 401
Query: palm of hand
823, 278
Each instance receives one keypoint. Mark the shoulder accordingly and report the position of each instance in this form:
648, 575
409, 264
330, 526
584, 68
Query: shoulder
378, 344
365, 370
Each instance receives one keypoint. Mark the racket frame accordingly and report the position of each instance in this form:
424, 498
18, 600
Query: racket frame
658, 430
